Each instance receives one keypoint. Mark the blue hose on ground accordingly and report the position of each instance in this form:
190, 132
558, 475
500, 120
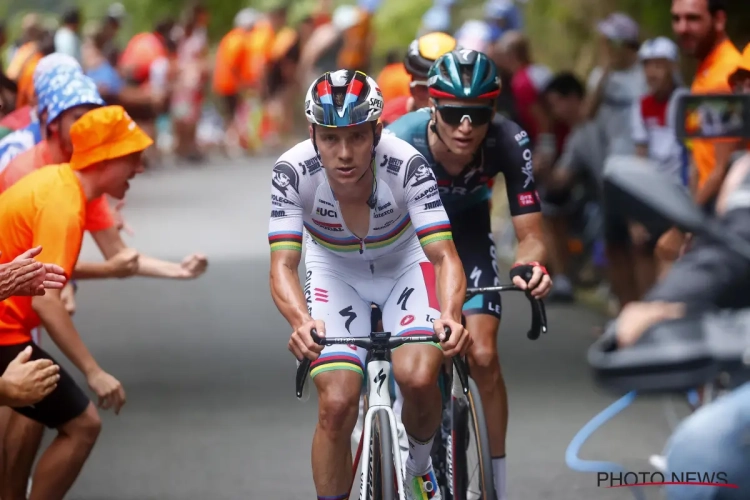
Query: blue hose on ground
571, 454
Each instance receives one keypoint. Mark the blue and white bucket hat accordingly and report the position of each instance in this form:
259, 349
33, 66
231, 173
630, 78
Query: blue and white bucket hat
65, 88
55, 61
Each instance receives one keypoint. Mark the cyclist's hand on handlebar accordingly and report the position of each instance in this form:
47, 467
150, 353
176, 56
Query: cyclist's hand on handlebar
301, 343
637, 317
532, 276
459, 340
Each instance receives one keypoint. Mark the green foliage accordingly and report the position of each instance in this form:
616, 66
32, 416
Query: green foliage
562, 31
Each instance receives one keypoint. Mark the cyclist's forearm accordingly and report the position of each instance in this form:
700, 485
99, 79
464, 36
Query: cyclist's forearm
451, 287
288, 296
59, 325
531, 249
92, 270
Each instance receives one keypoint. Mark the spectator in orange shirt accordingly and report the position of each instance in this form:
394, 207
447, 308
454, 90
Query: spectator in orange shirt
393, 79
700, 26
230, 59
58, 115
48, 208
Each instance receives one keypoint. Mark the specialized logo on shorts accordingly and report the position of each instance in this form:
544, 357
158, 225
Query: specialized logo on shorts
406, 320
320, 295
350, 315
285, 177
278, 213
311, 166
419, 170
433, 204
393, 164
526, 199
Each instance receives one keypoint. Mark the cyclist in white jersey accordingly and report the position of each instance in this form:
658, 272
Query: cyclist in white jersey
374, 235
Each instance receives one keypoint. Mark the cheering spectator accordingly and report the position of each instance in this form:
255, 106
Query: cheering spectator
700, 26
613, 88
582, 161
654, 136
67, 40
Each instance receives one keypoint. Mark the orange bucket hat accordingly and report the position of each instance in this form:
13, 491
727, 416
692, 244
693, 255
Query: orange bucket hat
104, 134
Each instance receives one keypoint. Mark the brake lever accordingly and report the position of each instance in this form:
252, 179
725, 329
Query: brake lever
304, 366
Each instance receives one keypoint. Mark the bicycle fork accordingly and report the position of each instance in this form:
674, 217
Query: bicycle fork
379, 400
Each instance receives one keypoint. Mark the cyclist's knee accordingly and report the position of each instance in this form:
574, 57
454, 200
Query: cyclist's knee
484, 360
338, 401
85, 428
418, 373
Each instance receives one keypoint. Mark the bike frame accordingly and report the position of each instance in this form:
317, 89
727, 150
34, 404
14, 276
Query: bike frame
379, 399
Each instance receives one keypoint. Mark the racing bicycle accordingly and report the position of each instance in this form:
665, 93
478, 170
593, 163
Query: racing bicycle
461, 454
381, 470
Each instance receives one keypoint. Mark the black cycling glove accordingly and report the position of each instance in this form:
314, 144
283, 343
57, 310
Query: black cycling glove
526, 271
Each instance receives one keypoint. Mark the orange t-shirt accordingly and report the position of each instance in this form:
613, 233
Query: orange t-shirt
229, 62
46, 208
140, 52
26, 81
394, 81
98, 214
712, 77
258, 46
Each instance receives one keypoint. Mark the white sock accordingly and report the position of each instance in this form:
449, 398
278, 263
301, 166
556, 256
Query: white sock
498, 473
419, 461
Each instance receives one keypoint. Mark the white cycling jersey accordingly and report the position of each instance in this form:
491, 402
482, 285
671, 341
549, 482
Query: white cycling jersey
405, 201
346, 274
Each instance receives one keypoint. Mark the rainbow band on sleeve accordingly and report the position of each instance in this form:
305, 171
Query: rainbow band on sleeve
285, 240
436, 231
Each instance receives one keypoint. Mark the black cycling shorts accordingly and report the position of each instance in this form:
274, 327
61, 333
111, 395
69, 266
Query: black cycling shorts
472, 235
62, 405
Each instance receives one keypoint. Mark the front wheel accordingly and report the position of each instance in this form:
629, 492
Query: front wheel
461, 455
470, 457
381, 478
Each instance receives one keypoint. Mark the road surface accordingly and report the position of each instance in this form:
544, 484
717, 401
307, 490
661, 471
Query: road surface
211, 412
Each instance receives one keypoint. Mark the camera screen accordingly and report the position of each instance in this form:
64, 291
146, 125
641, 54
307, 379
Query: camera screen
715, 116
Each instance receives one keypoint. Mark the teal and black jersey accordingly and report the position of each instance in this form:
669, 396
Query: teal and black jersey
506, 149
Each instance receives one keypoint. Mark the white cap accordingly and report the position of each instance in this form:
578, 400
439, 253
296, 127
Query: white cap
658, 48
345, 17
116, 11
246, 18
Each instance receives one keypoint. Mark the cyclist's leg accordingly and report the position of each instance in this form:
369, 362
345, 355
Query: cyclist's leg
410, 310
337, 374
476, 248
712, 440
66, 409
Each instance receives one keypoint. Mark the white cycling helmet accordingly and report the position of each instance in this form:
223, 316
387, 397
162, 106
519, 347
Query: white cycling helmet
343, 98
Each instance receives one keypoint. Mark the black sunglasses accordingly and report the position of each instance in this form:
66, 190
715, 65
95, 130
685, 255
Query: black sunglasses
477, 115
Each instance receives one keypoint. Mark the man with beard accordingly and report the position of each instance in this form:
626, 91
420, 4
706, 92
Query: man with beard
700, 27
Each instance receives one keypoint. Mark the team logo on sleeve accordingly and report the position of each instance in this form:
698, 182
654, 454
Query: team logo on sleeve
418, 170
285, 177
528, 169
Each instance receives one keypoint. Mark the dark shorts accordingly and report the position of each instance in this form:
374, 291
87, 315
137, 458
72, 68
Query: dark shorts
230, 103
62, 405
472, 235
618, 210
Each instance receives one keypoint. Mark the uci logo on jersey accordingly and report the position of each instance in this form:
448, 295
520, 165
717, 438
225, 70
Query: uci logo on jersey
326, 212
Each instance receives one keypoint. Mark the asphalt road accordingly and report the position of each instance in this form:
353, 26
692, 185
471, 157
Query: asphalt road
211, 412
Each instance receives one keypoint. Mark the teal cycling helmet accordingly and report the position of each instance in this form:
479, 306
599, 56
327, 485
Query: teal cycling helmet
463, 74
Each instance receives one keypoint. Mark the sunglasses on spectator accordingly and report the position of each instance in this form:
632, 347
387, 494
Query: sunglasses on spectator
455, 115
